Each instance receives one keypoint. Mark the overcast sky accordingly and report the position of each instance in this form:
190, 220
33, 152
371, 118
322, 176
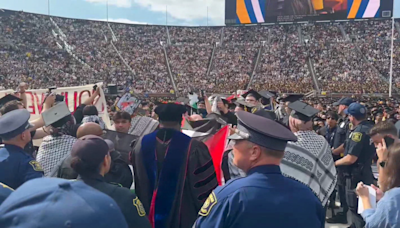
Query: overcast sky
180, 12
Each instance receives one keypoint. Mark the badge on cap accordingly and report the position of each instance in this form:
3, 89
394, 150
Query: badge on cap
208, 205
5, 186
36, 166
139, 207
356, 137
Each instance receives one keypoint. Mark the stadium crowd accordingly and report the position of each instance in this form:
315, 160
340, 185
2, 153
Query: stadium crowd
348, 57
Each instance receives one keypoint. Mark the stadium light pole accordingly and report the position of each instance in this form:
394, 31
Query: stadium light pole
207, 15
391, 61
166, 15
107, 10
48, 7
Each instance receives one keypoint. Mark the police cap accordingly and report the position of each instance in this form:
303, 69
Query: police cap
253, 93
14, 123
262, 131
356, 110
53, 202
5, 191
302, 111
344, 101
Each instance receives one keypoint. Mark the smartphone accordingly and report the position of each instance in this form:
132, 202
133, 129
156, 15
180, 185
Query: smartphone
389, 141
202, 93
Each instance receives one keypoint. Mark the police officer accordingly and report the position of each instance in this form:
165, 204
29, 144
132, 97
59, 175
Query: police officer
16, 166
91, 160
342, 131
54, 202
359, 152
265, 198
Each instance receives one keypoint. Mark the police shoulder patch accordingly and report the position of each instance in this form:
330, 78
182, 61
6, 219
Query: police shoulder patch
36, 166
208, 205
356, 137
139, 207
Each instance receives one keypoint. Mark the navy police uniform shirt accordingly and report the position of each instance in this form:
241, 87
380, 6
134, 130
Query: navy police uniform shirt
359, 144
341, 132
265, 198
17, 167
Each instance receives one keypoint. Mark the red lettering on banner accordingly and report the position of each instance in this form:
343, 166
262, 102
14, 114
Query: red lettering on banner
75, 100
65, 94
81, 93
32, 106
39, 104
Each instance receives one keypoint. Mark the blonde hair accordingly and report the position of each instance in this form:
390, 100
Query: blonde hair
299, 125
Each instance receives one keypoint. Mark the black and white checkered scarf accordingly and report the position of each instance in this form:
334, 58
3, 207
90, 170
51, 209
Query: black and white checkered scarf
52, 150
142, 125
94, 119
310, 161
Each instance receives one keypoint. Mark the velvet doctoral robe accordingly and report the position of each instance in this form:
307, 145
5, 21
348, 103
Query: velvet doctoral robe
174, 175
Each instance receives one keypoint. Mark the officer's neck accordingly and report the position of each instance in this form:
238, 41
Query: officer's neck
267, 161
357, 122
13, 142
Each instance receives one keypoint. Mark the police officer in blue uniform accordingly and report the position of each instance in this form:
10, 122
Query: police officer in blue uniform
359, 152
16, 166
265, 198
341, 134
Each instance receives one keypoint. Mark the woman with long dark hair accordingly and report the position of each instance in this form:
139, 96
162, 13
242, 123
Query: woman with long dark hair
387, 212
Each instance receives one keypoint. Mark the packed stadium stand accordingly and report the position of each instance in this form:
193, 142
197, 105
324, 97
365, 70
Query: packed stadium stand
345, 57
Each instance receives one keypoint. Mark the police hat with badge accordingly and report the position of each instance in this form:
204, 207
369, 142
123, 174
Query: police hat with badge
53, 202
262, 131
14, 123
356, 110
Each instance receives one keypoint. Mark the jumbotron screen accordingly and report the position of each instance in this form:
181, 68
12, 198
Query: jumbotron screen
268, 11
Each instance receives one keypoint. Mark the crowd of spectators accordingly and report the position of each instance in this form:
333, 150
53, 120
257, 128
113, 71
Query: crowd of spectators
346, 57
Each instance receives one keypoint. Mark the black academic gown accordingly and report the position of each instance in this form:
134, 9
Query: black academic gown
195, 181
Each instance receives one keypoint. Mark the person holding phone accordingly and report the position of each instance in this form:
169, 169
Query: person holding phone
386, 213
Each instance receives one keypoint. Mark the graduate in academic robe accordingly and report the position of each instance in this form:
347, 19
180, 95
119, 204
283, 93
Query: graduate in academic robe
174, 174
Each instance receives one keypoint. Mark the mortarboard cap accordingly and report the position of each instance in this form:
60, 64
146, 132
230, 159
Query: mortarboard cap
302, 111
262, 131
14, 123
170, 112
7, 98
81, 206
267, 94
292, 97
253, 93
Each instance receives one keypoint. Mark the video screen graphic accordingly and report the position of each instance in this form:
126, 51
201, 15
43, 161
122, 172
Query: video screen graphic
269, 11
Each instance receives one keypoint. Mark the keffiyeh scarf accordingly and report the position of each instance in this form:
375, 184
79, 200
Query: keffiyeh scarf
52, 150
142, 125
94, 119
310, 161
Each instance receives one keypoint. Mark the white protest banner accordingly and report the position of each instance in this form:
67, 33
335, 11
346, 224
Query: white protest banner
74, 96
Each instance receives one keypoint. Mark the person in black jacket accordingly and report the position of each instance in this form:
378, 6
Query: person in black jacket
91, 160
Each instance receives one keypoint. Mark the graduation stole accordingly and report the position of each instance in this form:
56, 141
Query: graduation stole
164, 193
